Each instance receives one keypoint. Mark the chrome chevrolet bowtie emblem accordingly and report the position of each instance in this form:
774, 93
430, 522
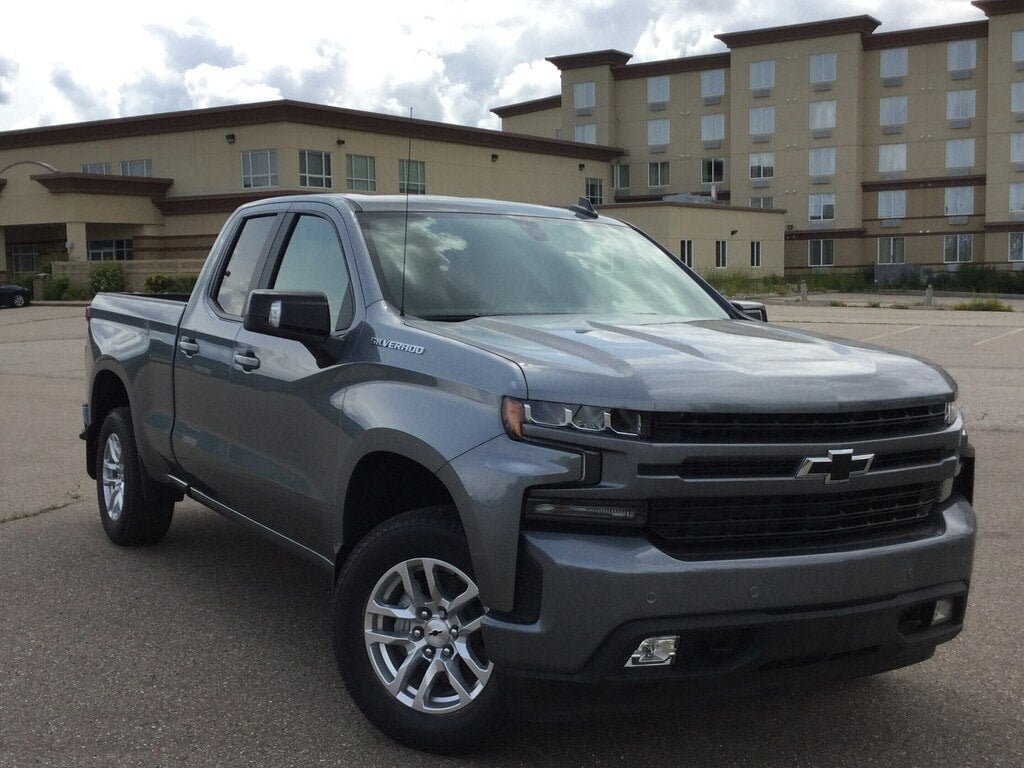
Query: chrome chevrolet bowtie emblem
839, 467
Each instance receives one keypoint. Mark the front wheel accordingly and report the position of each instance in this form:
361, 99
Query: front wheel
19, 300
408, 637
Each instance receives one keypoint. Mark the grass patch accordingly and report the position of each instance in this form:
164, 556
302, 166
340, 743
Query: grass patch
983, 305
735, 283
837, 303
874, 304
898, 306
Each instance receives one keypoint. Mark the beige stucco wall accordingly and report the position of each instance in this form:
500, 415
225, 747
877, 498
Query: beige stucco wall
670, 223
546, 123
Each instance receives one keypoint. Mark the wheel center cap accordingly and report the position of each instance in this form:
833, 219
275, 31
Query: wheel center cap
437, 633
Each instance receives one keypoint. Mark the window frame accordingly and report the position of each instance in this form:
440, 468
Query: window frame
276, 212
272, 174
327, 163
823, 58
883, 101
958, 239
353, 182
659, 165
760, 204
1017, 147
686, 252
717, 123
769, 66
721, 254
147, 167
813, 106
767, 110
761, 166
885, 149
1019, 187
652, 82
821, 253
706, 81
713, 160
414, 187
90, 168
829, 151
892, 240
964, 142
953, 47
892, 195
122, 249
653, 126
1010, 236
755, 254
958, 98
821, 198
589, 94
959, 194
617, 174
585, 128
1017, 97
903, 60
589, 183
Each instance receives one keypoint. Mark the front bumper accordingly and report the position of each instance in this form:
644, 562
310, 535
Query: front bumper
601, 595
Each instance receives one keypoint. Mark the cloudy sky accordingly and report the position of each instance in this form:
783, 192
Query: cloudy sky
449, 60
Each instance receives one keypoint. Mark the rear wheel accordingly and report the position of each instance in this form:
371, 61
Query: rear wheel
408, 637
19, 300
133, 509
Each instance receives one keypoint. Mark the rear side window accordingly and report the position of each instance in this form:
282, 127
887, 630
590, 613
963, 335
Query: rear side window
313, 261
234, 283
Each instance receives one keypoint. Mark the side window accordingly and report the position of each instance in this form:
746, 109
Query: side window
313, 261
233, 289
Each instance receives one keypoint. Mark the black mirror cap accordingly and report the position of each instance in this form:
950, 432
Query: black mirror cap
300, 315
755, 310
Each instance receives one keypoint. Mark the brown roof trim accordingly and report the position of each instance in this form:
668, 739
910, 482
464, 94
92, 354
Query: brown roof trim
932, 182
1004, 226
608, 57
103, 184
999, 7
222, 203
672, 66
825, 234
526, 107
848, 25
924, 35
680, 204
303, 113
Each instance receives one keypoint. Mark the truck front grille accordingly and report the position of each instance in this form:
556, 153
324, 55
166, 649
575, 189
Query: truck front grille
795, 427
754, 526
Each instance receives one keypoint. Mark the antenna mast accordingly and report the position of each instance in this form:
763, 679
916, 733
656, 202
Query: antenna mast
405, 236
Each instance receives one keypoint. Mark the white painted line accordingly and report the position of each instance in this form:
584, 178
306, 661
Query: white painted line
1000, 336
893, 333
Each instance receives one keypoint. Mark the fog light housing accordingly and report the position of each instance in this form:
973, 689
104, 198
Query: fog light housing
943, 612
629, 513
655, 652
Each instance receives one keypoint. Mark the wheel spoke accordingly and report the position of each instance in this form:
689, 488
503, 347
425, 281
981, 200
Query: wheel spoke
481, 672
390, 611
430, 575
403, 673
471, 626
454, 674
461, 600
411, 586
391, 638
427, 683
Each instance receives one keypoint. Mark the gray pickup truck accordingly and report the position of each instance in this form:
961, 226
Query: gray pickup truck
532, 446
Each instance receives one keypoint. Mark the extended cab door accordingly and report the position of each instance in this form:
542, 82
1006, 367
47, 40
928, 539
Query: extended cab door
205, 409
290, 394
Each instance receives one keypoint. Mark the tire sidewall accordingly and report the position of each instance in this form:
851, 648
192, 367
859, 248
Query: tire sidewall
20, 298
117, 423
449, 732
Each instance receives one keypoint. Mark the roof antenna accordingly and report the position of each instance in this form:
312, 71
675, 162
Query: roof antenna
405, 236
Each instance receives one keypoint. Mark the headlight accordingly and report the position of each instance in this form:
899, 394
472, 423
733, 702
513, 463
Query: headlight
952, 412
582, 418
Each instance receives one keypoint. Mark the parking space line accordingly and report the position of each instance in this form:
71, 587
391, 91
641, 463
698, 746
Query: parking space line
1000, 336
893, 333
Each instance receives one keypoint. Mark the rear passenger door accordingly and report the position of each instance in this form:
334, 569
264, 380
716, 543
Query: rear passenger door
288, 441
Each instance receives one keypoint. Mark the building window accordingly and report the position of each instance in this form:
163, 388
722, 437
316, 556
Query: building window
1017, 97
890, 250
620, 176
762, 120
314, 169
821, 207
894, 62
892, 204
586, 133
1017, 197
412, 177
686, 252
1016, 243
892, 110
361, 172
24, 259
961, 55
821, 161
137, 167
959, 153
657, 174
892, 158
593, 189
259, 168
762, 202
584, 95
823, 67
957, 248
821, 253
762, 75
712, 83
657, 90
762, 165
1018, 47
755, 253
721, 254
658, 132
959, 104
959, 201
109, 250
101, 168
712, 170
822, 115
712, 127
1017, 147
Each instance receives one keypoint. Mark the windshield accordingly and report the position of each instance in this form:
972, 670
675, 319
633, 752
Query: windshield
462, 265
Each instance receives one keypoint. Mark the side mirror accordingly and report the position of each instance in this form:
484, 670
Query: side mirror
300, 315
755, 310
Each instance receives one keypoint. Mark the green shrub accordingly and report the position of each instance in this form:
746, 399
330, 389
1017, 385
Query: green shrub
183, 283
874, 304
157, 284
897, 306
55, 288
76, 293
109, 279
24, 280
983, 305
837, 303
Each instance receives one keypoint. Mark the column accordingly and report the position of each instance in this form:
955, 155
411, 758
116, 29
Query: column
76, 235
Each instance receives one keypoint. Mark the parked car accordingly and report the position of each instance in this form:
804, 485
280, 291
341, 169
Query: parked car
530, 445
15, 296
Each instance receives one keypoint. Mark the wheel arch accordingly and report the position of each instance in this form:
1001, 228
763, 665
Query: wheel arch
108, 391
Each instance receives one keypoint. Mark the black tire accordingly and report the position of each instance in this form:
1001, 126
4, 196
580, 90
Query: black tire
425, 533
146, 506
20, 300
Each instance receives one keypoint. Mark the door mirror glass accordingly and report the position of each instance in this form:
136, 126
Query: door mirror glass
300, 315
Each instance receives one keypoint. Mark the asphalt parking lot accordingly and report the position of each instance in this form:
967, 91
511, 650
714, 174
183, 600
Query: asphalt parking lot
213, 648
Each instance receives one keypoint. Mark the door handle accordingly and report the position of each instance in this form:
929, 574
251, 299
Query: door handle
188, 346
247, 361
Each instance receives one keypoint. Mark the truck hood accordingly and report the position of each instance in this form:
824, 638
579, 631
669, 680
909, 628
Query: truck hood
708, 365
